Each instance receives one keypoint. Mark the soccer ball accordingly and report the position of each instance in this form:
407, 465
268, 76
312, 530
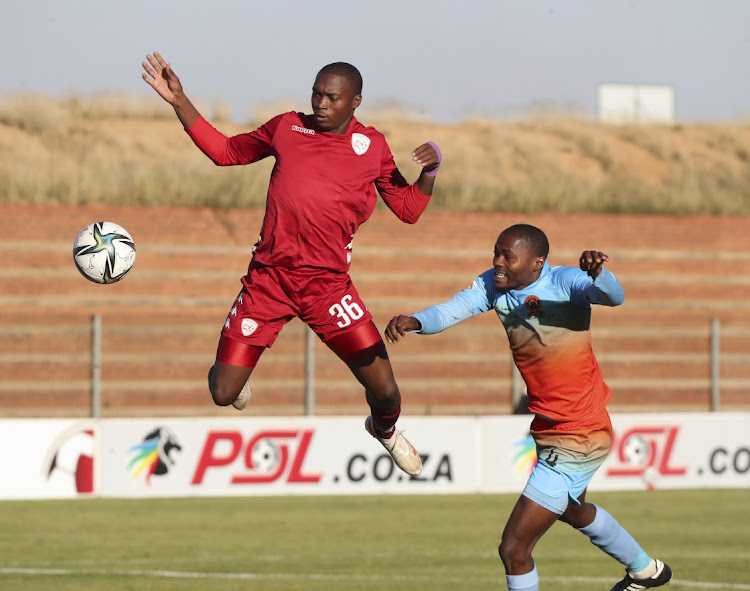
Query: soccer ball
104, 252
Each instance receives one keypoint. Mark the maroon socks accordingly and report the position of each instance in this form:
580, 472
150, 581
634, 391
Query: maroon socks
384, 421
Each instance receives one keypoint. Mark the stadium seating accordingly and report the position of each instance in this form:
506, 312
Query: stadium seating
160, 324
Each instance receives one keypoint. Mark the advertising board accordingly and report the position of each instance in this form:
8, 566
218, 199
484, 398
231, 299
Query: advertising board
181, 457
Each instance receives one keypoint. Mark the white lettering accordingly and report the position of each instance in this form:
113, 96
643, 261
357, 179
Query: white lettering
303, 130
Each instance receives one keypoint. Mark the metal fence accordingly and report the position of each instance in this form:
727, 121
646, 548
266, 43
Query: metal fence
516, 383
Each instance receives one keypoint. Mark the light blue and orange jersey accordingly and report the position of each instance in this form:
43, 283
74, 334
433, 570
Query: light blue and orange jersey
547, 324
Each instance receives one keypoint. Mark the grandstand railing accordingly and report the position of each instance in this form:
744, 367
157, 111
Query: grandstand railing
294, 370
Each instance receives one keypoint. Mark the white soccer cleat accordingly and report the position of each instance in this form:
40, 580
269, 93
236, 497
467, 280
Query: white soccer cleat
244, 397
402, 452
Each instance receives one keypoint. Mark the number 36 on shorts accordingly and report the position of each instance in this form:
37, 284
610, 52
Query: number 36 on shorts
346, 311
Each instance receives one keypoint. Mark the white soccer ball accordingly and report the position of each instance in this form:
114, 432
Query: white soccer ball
104, 252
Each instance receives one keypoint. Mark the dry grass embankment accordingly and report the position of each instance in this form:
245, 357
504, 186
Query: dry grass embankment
128, 151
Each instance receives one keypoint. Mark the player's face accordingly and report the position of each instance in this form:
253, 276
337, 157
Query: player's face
515, 267
333, 103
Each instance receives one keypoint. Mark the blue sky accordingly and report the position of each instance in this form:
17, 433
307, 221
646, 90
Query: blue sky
444, 58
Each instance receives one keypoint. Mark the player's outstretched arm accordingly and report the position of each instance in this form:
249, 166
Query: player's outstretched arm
399, 326
429, 157
605, 289
159, 76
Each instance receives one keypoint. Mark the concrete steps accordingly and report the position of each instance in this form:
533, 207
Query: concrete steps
160, 325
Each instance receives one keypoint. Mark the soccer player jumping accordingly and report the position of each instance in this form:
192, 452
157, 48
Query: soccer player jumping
546, 312
322, 188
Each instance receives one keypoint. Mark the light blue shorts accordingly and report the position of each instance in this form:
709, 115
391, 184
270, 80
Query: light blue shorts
560, 477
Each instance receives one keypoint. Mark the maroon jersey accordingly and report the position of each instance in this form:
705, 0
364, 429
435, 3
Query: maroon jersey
322, 187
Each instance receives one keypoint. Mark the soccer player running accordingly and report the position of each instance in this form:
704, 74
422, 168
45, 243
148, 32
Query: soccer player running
322, 188
546, 312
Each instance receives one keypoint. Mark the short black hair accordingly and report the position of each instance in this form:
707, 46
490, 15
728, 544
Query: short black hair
347, 71
531, 237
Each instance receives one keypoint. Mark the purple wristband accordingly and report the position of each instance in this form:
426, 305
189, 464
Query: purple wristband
434, 171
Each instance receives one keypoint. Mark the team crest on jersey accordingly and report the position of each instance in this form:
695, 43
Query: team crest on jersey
533, 306
248, 326
360, 143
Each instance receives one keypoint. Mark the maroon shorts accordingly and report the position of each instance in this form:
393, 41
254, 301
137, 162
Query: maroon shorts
272, 296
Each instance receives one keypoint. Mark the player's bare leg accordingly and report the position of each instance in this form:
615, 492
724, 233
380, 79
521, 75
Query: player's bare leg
527, 523
364, 352
229, 384
383, 396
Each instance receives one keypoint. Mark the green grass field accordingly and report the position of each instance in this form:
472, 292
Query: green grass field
435, 543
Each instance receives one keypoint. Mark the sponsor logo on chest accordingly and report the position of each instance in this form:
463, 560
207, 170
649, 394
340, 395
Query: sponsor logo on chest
299, 129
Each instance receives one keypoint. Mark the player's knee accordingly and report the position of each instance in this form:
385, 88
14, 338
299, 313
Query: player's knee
512, 553
223, 397
386, 397
391, 394
222, 393
579, 516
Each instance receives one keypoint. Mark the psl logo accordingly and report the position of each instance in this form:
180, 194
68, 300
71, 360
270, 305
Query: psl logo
152, 455
524, 456
643, 450
267, 456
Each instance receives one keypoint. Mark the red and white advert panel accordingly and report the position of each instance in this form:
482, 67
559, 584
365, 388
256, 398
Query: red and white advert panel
268, 456
700, 450
175, 457
47, 458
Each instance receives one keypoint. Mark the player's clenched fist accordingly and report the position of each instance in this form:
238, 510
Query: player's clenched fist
399, 326
592, 261
429, 157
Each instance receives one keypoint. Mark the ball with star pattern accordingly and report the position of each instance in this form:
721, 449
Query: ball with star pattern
104, 252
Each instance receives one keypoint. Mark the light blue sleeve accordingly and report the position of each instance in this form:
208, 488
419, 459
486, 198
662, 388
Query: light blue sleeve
477, 298
605, 290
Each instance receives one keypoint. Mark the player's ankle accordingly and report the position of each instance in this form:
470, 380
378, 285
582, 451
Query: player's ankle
387, 434
645, 573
